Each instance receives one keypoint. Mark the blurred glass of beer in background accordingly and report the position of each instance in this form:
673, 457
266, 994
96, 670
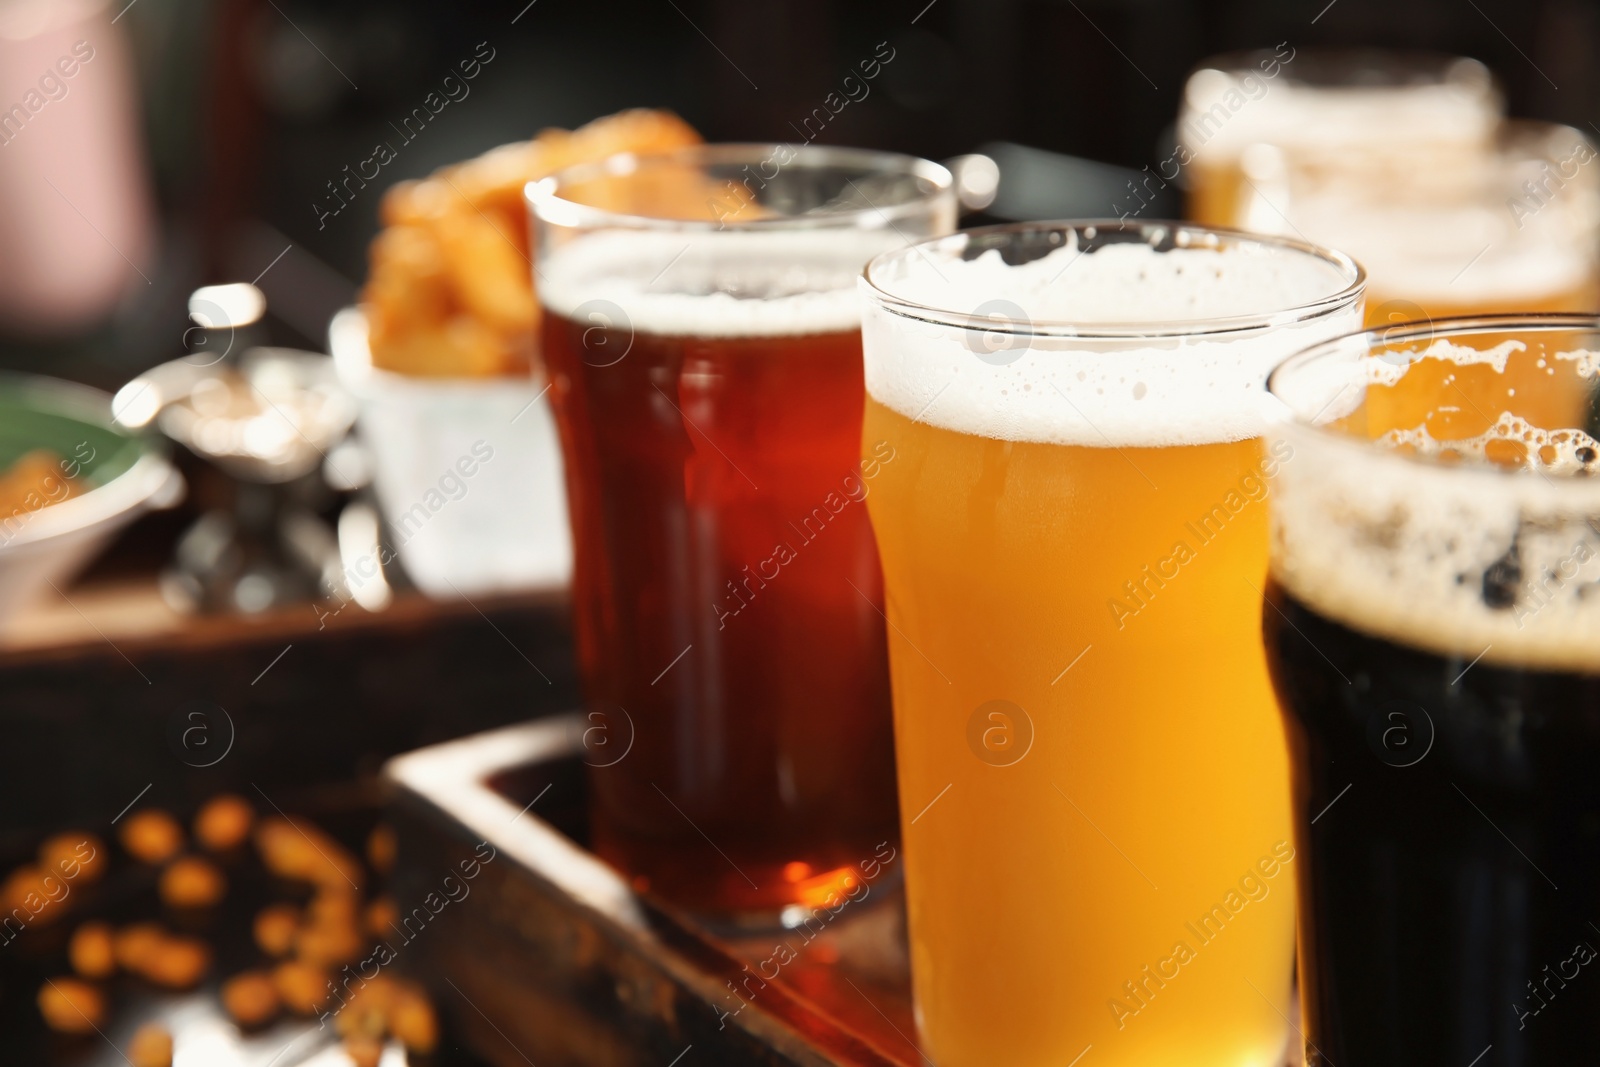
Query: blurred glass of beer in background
1519, 230
1403, 162
1433, 629
1073, 532
1373, 118
703, 340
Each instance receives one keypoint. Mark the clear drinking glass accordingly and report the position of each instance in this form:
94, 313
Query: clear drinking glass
704, 346
1433, 629
1073, 531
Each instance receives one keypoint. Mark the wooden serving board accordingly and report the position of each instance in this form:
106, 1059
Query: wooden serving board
547, 956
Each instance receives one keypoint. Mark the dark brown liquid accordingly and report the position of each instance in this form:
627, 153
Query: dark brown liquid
1439, 805
727, 598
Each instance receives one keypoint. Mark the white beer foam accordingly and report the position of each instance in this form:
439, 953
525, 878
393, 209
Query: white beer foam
1225, 113
1121, 392
1453, 254
1461, 560
731, 283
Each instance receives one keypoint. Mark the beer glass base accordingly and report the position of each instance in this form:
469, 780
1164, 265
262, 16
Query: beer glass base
801, 915
734, 895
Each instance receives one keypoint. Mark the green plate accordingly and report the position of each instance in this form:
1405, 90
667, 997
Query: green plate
70, 420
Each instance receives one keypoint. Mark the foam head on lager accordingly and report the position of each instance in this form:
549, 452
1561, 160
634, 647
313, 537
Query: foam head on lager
704, 349
1433, 629
1073, 534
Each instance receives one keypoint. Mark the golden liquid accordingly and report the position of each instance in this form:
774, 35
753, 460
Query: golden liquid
1454, 402
1156, 780
1216, 192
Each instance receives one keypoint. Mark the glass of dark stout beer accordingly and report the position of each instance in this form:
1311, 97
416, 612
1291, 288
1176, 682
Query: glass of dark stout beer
703, 341
1433, 629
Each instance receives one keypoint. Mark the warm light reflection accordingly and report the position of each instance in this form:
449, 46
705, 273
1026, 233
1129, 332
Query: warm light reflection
826, 889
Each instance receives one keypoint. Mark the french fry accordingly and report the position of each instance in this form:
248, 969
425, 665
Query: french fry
486, 268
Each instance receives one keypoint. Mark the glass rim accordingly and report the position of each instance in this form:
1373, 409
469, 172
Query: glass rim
1091, 330
542, 195
1427, 329
1410, 68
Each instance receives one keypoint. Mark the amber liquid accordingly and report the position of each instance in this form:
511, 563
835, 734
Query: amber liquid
1067, 850
1215, 193
727, 599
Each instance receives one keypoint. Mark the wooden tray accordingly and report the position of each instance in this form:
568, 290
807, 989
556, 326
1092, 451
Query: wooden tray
547, 956
288, 701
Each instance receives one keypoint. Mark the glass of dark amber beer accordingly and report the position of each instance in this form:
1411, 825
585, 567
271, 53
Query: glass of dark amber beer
704, 347
1433, 630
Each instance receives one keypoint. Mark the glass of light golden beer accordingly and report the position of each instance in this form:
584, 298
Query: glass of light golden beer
1405, 162
1515, 231
1383, 119
1093, 781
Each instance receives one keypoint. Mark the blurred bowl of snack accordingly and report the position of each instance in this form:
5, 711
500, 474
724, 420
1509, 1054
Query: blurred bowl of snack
442, 359
69, 480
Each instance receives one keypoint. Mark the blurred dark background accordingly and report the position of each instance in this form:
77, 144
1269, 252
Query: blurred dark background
249, 108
